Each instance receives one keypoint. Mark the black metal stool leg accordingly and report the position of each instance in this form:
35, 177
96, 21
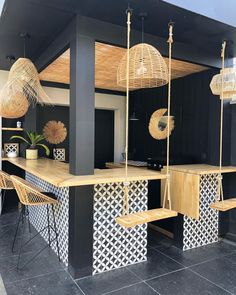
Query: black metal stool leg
22, 237
17, 228
28, 219
49, 232
56, 233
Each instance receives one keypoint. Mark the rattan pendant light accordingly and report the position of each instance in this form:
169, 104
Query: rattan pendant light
147, 67
12, 105
228, 76
22, 88
24, 78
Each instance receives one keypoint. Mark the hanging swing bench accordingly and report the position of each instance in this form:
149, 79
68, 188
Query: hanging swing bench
128, 220
222, 82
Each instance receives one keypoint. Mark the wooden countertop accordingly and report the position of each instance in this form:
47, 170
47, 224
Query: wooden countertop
201, 169
57, 173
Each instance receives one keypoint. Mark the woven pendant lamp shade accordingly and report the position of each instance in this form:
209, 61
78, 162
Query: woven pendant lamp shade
229, 83
13, 106
147, 68
24, 78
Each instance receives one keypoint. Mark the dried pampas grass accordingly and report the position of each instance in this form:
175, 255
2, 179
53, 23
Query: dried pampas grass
55, 132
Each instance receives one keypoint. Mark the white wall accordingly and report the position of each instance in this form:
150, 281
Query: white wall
102, 101
60, 96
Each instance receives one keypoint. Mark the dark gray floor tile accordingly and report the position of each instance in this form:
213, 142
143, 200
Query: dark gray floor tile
107, 282
220, 271
198, 255
46, 262
8, 218
59, 283
184, 282
35, 245
156, 265
138, 289
156, 239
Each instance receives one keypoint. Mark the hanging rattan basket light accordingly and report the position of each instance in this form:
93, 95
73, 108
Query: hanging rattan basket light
24, 78
229, 83
147, 68
13, 106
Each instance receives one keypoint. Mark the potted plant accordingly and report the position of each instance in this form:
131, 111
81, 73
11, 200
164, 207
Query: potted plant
33, 140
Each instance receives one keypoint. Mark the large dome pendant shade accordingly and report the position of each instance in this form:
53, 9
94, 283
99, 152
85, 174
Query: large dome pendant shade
22, 88
23, 77
229, 83
147, 68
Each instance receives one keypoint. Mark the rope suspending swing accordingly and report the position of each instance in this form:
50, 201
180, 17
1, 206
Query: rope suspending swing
130, 220
221, 204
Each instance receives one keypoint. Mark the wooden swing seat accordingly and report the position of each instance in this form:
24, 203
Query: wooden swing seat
224, 205
142, 217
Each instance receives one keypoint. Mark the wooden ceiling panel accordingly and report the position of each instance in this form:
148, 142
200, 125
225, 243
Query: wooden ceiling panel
107, 59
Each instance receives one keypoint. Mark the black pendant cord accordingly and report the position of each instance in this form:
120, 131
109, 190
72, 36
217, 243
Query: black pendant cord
142, 29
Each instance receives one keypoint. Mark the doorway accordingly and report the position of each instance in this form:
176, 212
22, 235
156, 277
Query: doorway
104, 137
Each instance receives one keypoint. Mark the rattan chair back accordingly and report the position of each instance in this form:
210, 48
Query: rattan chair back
30, 195
5, 181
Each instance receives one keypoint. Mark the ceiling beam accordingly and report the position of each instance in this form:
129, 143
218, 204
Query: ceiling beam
114, 34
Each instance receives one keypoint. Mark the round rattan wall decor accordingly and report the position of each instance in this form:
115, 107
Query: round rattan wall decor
158, 125
55, 132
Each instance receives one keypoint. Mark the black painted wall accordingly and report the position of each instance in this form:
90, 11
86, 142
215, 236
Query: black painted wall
104, 131
195, 138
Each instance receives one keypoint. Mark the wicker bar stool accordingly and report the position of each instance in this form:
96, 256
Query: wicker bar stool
5, 184
29, 195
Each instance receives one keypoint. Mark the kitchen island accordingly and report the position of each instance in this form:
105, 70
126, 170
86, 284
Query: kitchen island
112, 245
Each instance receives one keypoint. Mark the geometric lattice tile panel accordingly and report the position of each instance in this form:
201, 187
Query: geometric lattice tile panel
113, 245
11, 147
38, 215
59, 154
197, 233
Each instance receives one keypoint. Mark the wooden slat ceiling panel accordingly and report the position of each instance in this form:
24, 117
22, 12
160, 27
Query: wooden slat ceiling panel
107, 58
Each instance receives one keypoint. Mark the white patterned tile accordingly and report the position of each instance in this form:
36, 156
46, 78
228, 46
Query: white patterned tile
115, 246
204, 231
38, 215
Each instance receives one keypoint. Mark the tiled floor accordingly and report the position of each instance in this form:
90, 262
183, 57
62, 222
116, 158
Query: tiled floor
207, 270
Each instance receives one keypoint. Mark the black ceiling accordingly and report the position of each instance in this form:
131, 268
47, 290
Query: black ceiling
44, 19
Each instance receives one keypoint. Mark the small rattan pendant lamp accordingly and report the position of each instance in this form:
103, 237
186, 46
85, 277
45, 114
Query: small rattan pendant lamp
147, 67
224, 83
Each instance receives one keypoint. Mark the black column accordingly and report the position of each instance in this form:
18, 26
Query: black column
82, 85
82, 101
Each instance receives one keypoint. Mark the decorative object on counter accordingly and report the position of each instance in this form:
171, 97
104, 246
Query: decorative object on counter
147, 67
228, 75
55, 132
130, 220
18, 124
221, 204
12, 106
59, 154
33, 140
158, 125
11, 149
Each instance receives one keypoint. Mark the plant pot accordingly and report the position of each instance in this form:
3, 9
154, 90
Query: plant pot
31, 154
